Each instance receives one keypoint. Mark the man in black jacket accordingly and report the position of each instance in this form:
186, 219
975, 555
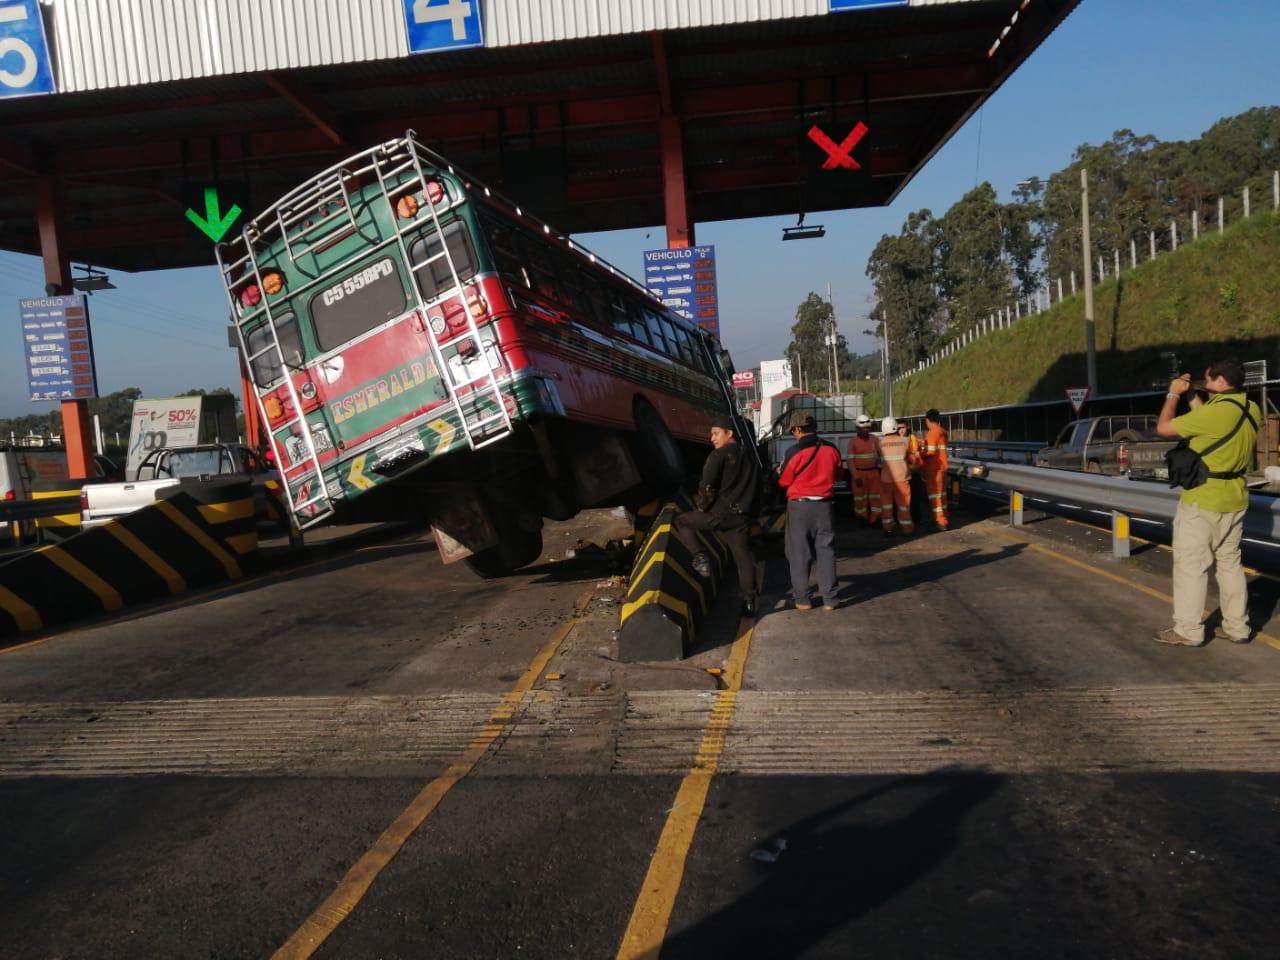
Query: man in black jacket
726, 501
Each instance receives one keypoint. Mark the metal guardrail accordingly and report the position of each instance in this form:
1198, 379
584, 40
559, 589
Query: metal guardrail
1120, 496
12, 511
1000, 451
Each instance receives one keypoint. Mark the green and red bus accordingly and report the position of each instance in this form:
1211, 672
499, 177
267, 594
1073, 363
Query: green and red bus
422, 348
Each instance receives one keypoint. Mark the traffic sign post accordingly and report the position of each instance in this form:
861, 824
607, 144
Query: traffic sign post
1078, 397
24, 50
435, 25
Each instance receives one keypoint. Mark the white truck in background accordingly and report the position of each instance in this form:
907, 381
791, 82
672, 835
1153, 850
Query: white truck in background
161, 474
172, 422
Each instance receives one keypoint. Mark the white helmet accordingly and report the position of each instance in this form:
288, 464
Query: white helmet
888, 425
863, 420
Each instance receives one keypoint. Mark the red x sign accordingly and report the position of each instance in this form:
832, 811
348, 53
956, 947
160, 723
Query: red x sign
839, 155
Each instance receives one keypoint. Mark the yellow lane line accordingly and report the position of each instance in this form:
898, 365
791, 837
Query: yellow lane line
652, 912
22, 612
1162, 546
107, 594
1264, 638
148, 556
351, 889
199, 536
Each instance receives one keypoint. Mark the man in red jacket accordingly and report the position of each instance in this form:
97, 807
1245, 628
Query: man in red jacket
808, 475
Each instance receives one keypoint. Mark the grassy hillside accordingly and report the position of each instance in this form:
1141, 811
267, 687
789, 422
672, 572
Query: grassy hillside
1216, 297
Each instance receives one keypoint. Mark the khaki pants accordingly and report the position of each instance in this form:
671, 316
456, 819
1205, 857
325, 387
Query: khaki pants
1202, 539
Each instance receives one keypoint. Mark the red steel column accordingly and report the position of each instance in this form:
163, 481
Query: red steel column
77, 428
249, 404
675, 197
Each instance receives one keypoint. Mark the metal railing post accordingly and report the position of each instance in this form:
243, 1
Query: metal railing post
1015, 508
1119, 535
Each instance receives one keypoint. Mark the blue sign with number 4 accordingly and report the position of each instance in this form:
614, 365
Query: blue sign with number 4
443, 25
24, 54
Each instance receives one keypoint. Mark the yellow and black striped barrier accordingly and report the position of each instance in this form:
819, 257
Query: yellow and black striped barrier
201, 535
666, 600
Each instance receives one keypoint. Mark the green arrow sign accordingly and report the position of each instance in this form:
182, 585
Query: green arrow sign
212, 225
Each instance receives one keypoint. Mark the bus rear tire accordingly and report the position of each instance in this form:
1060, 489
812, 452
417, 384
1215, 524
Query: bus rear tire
516, 548
658, 456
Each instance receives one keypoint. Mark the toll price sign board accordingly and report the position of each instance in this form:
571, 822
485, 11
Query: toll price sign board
58, 348
24, 50
434, 25
684, 279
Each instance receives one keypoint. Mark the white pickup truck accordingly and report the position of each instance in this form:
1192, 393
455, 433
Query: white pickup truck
161, 473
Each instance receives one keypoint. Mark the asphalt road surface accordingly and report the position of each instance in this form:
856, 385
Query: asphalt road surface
981, 753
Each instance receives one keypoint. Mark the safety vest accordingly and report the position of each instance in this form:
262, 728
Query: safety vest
862, 453
893, 455
935, 446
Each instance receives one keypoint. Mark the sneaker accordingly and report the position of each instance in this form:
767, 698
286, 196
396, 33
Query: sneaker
1220, 634
1172, 636
749, 607
803, 606
702, 564
831, 607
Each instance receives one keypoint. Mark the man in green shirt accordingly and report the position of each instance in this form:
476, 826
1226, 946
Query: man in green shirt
1210, 517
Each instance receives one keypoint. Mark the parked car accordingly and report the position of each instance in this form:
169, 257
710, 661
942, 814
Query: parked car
1117, 446
160, 473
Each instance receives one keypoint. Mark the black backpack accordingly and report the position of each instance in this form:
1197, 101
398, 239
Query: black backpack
1187, 468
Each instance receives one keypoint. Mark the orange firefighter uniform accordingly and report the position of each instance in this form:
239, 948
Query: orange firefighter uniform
865, 474
895, 488
935, 472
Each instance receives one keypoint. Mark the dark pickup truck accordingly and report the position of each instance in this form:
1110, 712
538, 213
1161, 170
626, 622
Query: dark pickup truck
1118, 446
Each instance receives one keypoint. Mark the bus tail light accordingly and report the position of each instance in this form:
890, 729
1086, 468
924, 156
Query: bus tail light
250, 295
407, 207
435, 191
467, 348
273, 407
454, 315
477, 306
272, 282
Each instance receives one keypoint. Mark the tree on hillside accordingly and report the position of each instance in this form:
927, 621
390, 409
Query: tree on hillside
115, 411
905, 273
976, 277
809, 350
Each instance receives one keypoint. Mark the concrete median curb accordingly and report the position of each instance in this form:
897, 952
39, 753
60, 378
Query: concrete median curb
201, 535
666, 600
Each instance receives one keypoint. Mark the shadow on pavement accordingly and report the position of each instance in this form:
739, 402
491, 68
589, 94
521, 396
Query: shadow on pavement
838, 865
868, 585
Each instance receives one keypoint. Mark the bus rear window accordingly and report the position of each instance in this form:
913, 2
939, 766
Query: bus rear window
266, 368
435, 278
356, 304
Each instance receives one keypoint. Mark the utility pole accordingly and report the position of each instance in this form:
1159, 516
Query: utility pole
1090, 346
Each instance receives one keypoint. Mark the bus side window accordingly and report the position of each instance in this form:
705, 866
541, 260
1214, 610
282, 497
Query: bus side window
541, 269
505, 244
669, 334
599, 312
435, 278
656, 334
618, 317
571, 281
266, 368
635, 313
685, 342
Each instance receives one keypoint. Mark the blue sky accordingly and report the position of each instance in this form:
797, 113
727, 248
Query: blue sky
1164, 67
